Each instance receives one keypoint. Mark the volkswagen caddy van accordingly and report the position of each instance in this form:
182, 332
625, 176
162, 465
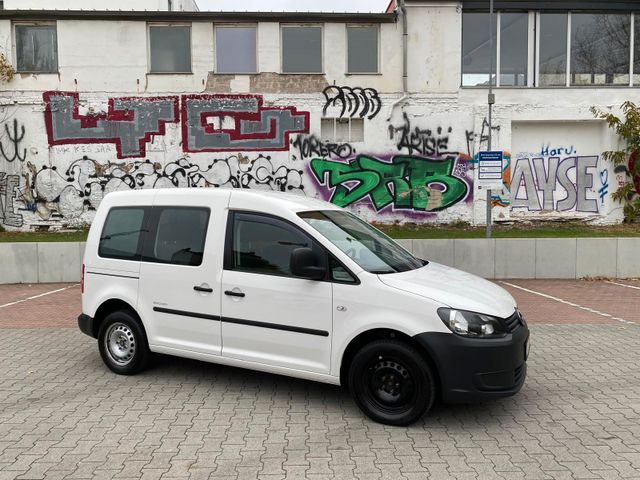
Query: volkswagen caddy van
294, 286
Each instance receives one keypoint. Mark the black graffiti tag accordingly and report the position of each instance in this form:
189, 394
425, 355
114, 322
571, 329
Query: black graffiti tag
312, 146
15, 139
354, 101
420, 141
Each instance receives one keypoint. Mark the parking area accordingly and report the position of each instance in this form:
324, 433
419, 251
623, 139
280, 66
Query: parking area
64, 415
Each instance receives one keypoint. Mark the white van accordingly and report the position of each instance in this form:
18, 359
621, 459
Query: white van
294, 286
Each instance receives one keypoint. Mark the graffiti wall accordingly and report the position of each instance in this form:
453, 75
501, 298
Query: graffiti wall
352, 146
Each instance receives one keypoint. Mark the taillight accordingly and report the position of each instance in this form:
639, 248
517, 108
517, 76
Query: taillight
82, 280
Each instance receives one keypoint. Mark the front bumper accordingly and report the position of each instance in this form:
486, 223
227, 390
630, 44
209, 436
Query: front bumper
85, 323
474, 369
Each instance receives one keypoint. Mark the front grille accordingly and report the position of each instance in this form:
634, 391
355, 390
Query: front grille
513, 322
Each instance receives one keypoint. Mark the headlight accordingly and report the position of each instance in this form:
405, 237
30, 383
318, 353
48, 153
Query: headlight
471, 324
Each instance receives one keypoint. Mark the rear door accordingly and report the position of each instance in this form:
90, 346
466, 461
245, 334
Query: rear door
269, 316
179, 292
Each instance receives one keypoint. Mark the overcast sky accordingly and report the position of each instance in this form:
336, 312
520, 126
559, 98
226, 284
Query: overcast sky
295, 5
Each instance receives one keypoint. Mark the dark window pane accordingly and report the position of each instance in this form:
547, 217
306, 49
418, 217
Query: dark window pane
302, 49
476, 54
553, 49
170, 49
36, 48
600, 49
362, 49
265, 247
181, 236
636, 51
121, 233
514, 48
236, 50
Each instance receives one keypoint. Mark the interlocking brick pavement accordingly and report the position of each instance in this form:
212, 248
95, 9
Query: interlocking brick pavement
64, 415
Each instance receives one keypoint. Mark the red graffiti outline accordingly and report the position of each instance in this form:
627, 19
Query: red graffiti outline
112, 115
234, 133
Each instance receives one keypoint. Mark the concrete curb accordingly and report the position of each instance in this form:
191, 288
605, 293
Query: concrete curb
567, 258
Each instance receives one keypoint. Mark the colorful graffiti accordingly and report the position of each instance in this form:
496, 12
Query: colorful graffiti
254, 127
8, 190
131, 122
404, 182
552, 184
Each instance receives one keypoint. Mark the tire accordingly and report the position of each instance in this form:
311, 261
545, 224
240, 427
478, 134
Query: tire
391, 382
123, 344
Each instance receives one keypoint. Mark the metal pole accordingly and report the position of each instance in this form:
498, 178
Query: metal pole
490, 100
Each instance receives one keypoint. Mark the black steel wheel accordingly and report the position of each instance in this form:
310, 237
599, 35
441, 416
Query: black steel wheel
391, 382
123, 343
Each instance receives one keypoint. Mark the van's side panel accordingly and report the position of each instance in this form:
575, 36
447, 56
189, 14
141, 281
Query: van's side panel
178, 316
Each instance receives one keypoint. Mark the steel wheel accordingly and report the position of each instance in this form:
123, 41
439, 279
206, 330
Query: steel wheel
123, 343
120, 343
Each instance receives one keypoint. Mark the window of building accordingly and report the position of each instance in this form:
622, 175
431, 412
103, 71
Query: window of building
362, 49
301, 49
236, 49
476, 53
636, 50
514, 49
180, 235
120, 236
264, 245
342, 130
600, 46
552, 69
170, 48
36, 48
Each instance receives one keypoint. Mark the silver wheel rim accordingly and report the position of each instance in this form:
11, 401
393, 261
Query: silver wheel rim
120, 343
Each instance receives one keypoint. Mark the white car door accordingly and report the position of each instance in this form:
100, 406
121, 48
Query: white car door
179, 289
270, 316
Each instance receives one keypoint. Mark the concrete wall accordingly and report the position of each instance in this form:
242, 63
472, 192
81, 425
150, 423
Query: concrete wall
566, 258
123, 127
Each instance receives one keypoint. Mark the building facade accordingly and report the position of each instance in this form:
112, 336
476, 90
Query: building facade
319, 105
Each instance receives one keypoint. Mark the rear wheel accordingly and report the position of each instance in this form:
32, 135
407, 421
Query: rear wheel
391, 382
123, 343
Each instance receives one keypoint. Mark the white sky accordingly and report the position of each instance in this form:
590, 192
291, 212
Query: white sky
294, 5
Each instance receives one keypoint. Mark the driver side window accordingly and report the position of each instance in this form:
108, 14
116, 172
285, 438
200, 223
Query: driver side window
264, 245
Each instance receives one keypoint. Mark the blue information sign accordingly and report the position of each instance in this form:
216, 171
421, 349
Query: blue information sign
490, 169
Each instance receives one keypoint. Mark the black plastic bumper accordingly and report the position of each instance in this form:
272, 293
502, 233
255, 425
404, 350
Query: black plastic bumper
473, 370
85, 323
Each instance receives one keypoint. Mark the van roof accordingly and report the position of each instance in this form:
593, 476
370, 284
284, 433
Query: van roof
279, 200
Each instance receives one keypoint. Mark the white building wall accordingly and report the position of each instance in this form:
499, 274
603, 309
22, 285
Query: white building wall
413, 147
139, 5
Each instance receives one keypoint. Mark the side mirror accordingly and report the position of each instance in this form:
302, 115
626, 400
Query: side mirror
304, 263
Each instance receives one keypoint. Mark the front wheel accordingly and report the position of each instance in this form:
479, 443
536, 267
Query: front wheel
391, 382
123, 343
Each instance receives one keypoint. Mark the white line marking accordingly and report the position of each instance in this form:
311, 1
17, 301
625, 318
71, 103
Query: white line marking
622, 285
587, 309
38, 296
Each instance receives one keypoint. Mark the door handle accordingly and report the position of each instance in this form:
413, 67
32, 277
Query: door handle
203, 289
231, 293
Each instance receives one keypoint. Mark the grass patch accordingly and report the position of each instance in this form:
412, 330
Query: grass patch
412, 230
539, 230
68, 236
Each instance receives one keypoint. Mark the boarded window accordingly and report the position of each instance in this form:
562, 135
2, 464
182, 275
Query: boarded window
301, 49
600, 46
362, 56
553, 49
636, 51
170, 49
342, 130
236, 50
37, 48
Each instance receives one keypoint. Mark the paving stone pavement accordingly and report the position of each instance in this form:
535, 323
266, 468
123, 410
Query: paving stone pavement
64, 415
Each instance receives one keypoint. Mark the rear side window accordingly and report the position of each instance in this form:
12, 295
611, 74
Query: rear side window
180, 235
121, 234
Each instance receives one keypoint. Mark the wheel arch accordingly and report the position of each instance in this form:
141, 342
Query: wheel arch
380, 334
110, 306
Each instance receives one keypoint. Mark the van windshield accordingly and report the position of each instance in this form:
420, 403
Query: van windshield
364, 244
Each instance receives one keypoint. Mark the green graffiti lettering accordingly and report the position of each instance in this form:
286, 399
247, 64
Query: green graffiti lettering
407, 182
